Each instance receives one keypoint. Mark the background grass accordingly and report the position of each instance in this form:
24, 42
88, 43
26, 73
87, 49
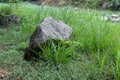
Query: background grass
97, 58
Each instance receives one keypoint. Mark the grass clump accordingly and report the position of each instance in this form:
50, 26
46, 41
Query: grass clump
57, 52
5, 10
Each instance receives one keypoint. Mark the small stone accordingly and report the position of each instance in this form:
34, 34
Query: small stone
114, 18
6, 20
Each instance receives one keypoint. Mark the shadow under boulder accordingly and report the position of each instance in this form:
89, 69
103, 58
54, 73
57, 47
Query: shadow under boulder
49, 29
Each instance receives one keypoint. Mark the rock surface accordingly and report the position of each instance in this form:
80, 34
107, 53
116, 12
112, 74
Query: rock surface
6, 20
112, 18
49, 29
115, 18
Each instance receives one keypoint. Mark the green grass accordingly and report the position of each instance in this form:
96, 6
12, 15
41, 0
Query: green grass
96, 58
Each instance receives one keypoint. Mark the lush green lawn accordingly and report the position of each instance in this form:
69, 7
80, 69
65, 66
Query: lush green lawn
97, 58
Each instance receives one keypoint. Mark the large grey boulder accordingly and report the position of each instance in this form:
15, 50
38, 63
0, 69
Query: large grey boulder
49, 29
